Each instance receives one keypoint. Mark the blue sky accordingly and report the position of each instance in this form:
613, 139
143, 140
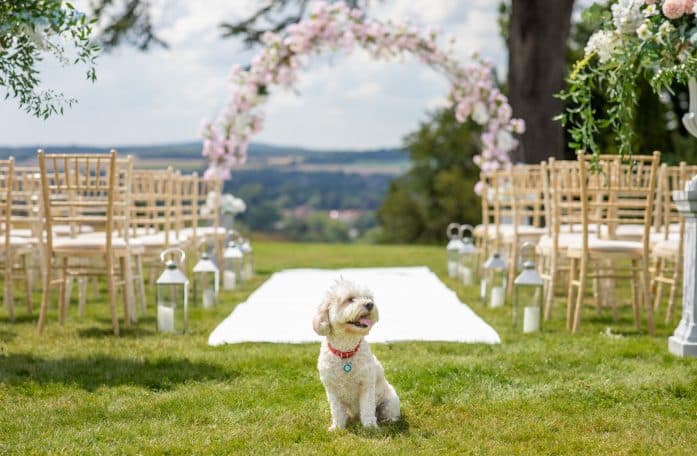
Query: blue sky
344, 101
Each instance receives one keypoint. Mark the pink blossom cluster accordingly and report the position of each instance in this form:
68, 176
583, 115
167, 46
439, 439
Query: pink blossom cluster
335, 26
675, 9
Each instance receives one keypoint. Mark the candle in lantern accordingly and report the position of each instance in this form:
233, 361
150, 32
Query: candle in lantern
497, 296
531, 320
229, 280
208, 298
466, 274
165, 318
452, 269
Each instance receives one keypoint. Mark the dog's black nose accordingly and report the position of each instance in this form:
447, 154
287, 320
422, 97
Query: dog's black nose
369, 305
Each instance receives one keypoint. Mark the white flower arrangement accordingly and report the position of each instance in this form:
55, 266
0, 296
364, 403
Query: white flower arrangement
230, 204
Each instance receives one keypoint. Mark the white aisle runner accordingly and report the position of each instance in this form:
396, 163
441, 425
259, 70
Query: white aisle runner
413, 304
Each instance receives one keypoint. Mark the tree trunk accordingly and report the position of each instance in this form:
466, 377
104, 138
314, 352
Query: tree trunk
537, 43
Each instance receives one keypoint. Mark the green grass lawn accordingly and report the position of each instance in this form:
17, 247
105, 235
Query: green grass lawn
79, 390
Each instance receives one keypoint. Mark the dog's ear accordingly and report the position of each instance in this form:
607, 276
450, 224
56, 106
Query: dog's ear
321, 323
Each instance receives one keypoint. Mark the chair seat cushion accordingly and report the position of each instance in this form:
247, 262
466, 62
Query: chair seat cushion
608, 246
158, 239
65, 230
202, 231
91, 242
21, 232
508, 230
666, 248
566, 240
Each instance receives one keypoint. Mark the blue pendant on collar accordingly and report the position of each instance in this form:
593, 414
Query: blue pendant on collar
347, 367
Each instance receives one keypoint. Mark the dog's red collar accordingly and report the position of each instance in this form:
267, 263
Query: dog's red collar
344, 355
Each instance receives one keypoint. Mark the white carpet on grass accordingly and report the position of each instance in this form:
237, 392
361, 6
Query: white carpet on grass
413, 304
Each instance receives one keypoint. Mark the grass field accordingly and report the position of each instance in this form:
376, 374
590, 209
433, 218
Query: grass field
79, 390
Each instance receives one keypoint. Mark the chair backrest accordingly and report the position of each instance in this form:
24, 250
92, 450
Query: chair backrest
6, 177
523, 192
26, 199
564, 198
616, 192
152, 202
84, 189
187, 202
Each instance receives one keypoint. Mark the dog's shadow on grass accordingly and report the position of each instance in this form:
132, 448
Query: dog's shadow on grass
93, 372
383, 430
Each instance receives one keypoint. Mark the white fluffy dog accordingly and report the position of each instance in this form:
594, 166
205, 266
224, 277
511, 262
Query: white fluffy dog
352, 376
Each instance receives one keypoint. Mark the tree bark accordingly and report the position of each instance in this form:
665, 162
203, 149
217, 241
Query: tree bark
537, 43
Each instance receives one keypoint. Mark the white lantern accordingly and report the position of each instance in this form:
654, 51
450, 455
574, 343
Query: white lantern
452, 250
527, 293
247, 260
467, 260
232, 266
172, 295
206, 281
493, 286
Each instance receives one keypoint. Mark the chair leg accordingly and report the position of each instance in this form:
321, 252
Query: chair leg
63, 291
8, 297
549, 296
111, 289
27, 284
657, 285
82, 283
44, 296
646, 293
636, 308
141, 283
677, 272
581, 294
130, 292
570, 293
124, 293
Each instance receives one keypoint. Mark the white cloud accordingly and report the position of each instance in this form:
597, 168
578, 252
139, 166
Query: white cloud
364, 90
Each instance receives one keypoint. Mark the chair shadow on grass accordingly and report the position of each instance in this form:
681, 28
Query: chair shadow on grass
144, 328
90, 373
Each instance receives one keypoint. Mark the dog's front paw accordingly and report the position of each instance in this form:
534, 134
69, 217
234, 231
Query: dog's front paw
334, 428
370, 423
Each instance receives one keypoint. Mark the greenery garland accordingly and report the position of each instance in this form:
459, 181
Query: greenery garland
638, 39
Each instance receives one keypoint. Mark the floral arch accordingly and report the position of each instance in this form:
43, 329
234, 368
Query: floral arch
473, 92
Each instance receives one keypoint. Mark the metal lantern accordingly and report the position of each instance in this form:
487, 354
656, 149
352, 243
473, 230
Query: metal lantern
527, 293
494, 281
232, 266
247, 260
467, 260
452, 250
206, 281
172, 294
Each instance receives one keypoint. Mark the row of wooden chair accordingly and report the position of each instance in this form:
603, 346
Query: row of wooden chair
594, 220
90, 215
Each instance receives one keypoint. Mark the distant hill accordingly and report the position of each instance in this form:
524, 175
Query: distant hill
258, 153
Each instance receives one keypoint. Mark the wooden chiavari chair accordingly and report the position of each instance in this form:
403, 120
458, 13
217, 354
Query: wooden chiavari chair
522, 198
94, 190
152, 214
613, 194
667, 247
13, 249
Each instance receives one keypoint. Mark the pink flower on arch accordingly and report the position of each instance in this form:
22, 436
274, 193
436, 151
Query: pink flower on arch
473, 92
